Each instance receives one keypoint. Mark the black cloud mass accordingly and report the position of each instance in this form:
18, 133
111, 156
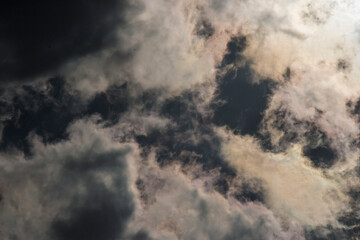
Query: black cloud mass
38, 37
141, 120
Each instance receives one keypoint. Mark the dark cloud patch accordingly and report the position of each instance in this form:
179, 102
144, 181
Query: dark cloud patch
321, 156
278, 122
287, 74
203, 28
174, 145
240, 103
141, 235
102, 213
241, 188
343, 65
47, 113
235, 47
37, 37
78, 189
104, 221
222, 184
93, 162
141, 187
110, 104
250, 191
326, 233
192, 140
354, 108
318, 148
351, 219
148, 100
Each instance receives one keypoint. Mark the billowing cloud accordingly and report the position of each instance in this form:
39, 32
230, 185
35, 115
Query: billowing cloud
297, 191
175, 208
179, 120
73, 189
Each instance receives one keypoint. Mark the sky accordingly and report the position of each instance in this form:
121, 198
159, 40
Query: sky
179, 119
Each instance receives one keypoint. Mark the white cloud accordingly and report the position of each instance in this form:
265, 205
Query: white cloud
294, 190
175, 207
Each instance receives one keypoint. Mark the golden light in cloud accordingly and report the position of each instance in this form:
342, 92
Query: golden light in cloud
294, 190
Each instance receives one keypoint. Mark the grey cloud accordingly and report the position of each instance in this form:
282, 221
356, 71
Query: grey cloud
159, 80
74, 189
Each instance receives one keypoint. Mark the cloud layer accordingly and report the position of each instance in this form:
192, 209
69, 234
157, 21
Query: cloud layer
179, 120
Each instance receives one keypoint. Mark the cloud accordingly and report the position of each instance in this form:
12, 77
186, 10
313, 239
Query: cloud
120, 119
175, 208
311, 97
69, 190
38, 38
294, 190
162, 45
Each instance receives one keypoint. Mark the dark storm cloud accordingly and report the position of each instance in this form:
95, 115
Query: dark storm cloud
37, 37
103, 217
101, 213
241, 102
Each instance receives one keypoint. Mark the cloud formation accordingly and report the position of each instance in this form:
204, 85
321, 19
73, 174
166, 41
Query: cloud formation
74, 189
179, 120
